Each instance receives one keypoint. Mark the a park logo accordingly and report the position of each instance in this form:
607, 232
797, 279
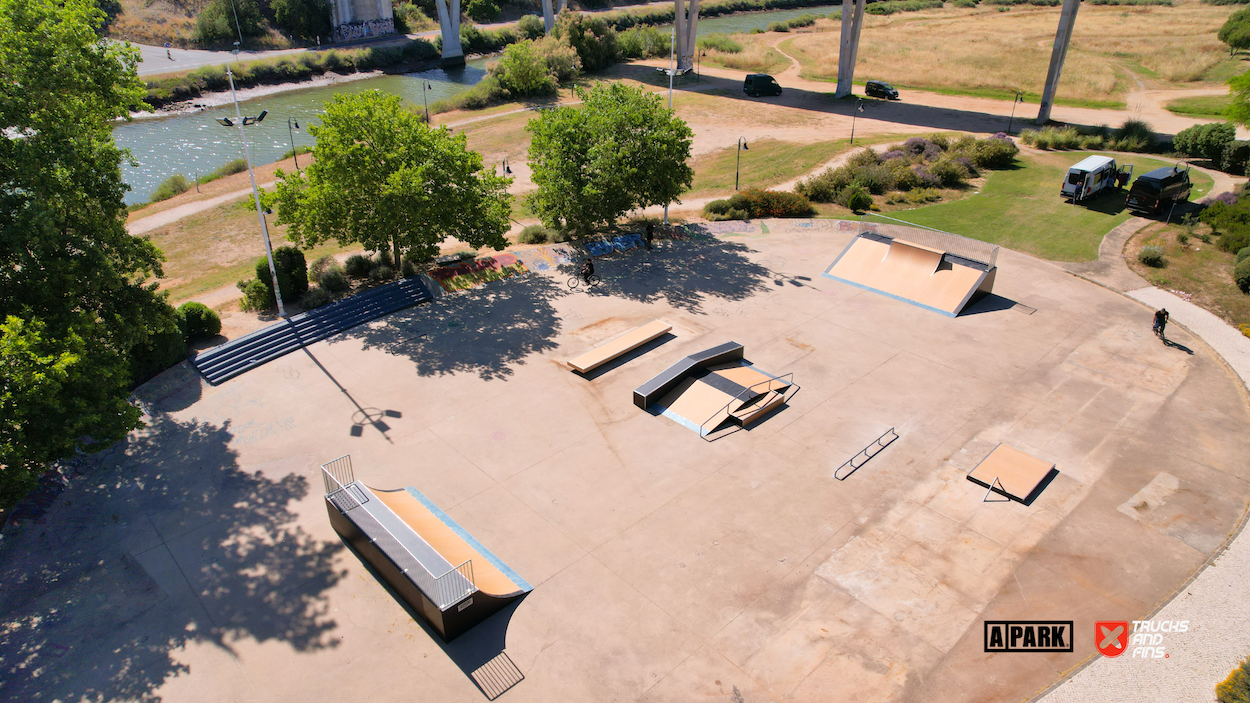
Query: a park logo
1028, 635
1111, 637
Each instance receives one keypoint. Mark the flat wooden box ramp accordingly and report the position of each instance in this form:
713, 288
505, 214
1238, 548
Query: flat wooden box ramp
619, 346
432, 563
706, 390
1013, 474
934, 270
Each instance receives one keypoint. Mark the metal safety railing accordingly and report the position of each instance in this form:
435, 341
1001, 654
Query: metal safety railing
338, 473
955, 244
772, 384
874, 448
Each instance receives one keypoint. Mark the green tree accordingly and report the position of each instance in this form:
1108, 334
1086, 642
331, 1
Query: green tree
217, 22
382, 177
74, 291
1238, 111
621, 150
523, 71
1236, 31
306, 19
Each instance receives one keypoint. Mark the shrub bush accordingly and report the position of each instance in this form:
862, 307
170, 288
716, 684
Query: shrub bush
720, 210
1235, 240
719, 42
382, 272
533, 234
825, 186
874, 178
162, 350
522, 71
1243, 254
1152, 255
771, 203
1135, 131
950, 172
802, 21
334, 281
562, 60
996, 152
1241, 275
292, 271
1236, 154
531, 27
481, 10
257, 297
965, 3
592, 38
216, 23
315, 298
407, 269
358, 266
1207, 141
644, 43
487, 92
855, 198
174, 185
201, 321
320, 266
778, 27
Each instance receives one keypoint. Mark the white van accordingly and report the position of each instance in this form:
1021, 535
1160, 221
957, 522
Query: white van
1089, 177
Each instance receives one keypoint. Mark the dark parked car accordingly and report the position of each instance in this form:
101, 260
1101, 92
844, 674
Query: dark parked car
757, 84
1153, 191
880, 89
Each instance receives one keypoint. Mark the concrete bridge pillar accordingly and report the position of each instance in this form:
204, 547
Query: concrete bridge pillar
1063, 37
687, 23
852, 23
449, 24
549, 17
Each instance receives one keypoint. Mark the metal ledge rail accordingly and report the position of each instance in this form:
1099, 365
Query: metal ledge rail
777, 382
445, 590
868, 452
223, 362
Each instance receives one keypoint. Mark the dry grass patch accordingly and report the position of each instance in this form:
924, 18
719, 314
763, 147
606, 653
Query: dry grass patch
1000, 52
1195, 270
755, 57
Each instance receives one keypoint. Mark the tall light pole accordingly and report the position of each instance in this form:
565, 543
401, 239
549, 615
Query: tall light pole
426, 84
859, 107
291, 134
247, 154
1019, 99
671, 39
742, 144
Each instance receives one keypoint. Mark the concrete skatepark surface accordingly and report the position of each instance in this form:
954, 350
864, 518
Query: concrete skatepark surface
195, 561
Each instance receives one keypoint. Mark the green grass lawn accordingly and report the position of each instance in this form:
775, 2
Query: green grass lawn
1202, 106
1021, 209
766, 163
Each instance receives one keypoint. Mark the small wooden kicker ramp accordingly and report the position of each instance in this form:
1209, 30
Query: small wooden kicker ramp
619, 346
925, 274
441, 571
1013, 474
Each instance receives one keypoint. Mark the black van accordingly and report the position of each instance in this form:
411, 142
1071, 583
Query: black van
1152, 191
880, 89
757, 84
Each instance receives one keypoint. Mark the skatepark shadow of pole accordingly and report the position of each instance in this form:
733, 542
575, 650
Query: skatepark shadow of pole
363, 415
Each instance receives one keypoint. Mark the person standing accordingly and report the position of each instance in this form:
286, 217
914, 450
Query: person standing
1161, 321
650, 233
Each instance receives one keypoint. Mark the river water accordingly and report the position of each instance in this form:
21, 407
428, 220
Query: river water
196, 144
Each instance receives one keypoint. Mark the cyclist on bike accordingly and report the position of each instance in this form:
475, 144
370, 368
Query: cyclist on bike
1161, 321
588, 270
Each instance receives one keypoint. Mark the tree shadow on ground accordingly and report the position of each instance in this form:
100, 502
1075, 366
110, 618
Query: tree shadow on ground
483, 330
684, 274
162, 543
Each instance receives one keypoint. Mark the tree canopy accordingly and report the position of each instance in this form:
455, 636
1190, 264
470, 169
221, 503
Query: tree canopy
621, 150
75, 301
1236, 31
382, 177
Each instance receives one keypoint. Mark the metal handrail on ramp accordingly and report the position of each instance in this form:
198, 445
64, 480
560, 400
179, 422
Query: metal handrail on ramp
738, 399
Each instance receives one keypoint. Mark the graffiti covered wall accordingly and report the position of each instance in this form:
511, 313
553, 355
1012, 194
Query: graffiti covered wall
360, 30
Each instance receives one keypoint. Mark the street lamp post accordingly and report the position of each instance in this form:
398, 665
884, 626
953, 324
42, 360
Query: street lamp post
742, 144
426, 84
672, 38
1019, 99
291, 134
247, 154
859, 107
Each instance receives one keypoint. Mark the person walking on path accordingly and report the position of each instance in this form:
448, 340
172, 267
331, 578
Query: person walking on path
650, 234
167, 54
1161, 321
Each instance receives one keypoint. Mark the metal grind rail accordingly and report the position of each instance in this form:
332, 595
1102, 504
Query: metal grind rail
786, 381
867, 453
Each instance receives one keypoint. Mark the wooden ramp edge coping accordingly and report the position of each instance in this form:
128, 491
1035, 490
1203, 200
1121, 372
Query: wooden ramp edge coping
452, 542
623, 344
1012, 473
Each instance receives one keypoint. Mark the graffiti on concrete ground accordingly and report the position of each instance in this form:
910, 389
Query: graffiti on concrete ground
548, 258
360, 30
478, 271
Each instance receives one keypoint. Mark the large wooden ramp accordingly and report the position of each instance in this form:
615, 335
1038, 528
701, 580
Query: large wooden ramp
911, 272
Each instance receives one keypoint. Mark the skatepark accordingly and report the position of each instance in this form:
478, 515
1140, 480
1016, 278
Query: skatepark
643, 561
